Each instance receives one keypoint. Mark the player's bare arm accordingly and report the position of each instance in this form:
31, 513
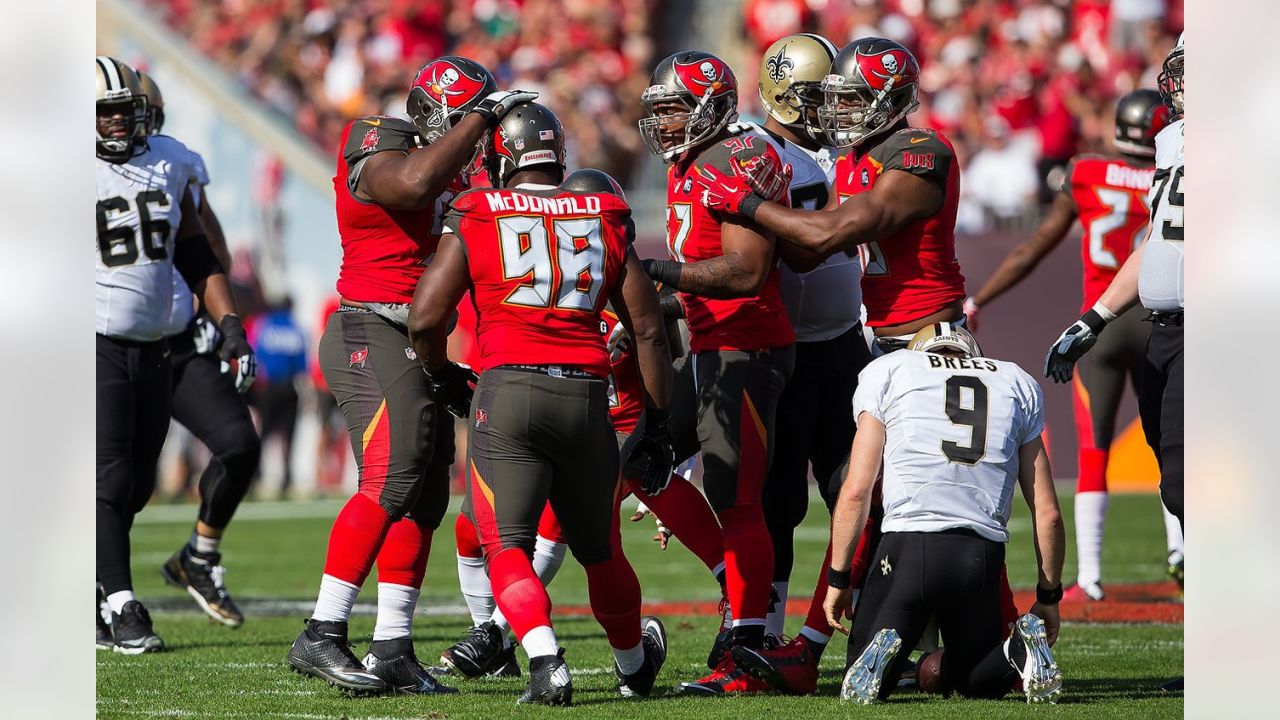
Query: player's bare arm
1027, 255
414, 180
800, 259
213, 231
1035, 477
740, 272
196, 259
437, 294
1076, 340
636, 303
850, 514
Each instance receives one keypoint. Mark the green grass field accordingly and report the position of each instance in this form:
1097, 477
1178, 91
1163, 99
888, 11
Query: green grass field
274, 552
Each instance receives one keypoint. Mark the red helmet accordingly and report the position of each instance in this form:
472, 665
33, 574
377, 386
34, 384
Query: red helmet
444, 90
700, 82
873, 84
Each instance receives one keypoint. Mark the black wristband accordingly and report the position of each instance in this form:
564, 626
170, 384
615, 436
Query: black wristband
1051, 596
666, 272
749, 205
231, 326
672, 308
839, 579
1095, 322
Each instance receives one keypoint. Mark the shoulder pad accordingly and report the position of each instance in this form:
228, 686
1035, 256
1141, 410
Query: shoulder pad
375, 134
744, 146
919, 151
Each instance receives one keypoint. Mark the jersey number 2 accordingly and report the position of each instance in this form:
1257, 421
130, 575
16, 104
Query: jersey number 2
968, 412
578, 261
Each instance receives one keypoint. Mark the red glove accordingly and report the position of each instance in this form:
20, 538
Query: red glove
767, 175
722, 192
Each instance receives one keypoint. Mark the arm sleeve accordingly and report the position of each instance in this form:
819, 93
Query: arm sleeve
195, 260
873, 389
920, 152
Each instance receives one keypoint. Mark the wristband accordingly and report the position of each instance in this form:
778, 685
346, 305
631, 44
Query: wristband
672, 308
839, 579
666, 272
1094, 321
231, 326
749, 205
1050, 596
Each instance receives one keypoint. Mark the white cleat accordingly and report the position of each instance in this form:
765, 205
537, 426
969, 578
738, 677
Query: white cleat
861, 682
1041, 678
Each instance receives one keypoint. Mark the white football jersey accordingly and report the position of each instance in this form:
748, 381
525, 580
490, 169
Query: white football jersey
1160, 285
183, 299
138, 211
953, 431
826, 301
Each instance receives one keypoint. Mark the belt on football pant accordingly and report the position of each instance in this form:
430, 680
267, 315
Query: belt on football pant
555, 371
1165, 319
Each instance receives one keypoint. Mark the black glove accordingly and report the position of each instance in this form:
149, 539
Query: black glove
235, 346
647, 456
450, 386
497, 104
1071, 345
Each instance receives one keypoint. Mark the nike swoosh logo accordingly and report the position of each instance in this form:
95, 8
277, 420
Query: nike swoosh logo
913, 140
375, 123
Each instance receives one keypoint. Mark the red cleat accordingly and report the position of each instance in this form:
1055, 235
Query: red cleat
791, 667
726, 679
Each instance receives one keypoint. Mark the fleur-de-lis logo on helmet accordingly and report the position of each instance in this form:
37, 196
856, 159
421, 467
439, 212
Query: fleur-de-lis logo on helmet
779, 66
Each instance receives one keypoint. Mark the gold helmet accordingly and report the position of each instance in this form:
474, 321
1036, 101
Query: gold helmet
155, 103
945, 336
120, 95
791, 73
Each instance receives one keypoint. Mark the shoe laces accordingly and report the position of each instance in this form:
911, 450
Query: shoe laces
216, 574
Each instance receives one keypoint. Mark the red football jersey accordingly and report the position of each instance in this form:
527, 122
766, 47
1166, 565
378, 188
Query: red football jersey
543, 263
693, 234
383, 249
1110, 195
626, 391
915, 272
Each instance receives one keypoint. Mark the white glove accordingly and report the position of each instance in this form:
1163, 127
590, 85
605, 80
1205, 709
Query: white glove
207, 336
618, 342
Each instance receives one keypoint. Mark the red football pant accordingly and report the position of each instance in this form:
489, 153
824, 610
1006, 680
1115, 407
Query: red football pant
684, 510
816, 620
403, 557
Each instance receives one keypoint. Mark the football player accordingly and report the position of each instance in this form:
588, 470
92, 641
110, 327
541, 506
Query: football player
1153, 276
206, 402
741, 342
541, 262
898, 188
391, 180
1108, 195
815, 413
148, 227
954, 432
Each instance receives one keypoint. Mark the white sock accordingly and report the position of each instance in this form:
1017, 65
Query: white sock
814, 636
548, 556
395, 611
117, 600
540, 641
204, 545
335, 600
747, 622
474, 582
500, 621
777, 618
1091, 514
1172, 532
629, 661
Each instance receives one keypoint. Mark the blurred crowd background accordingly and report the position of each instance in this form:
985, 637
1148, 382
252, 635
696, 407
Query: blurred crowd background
1020, 86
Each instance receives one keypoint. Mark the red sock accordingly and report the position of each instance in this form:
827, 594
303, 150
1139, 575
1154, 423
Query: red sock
816, 620
519, 592
357, 533
1093, 470
748, 561
466, 537
615, 600
403, 557
685, 511
1008, 609
549, 526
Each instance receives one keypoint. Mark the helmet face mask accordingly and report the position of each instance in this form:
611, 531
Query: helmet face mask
873, 84
691, 98
122, 112
1170, 81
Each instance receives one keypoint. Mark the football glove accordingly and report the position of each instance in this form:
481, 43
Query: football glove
451, 387
235, 346
618, 342
647, 456
497, 104
1071, 345
971, 309
206, 336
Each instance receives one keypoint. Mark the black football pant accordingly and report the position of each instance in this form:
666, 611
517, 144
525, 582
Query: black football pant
133, 403
533, 438
814, 425
953, 575
1160, 405
205, 401
403, 442
277, 403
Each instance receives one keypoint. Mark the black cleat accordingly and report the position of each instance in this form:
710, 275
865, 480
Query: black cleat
321, 651
104, 630
131, 631
1173, 686
480, 653
549, 682
653, 637
201, 577
395, 662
